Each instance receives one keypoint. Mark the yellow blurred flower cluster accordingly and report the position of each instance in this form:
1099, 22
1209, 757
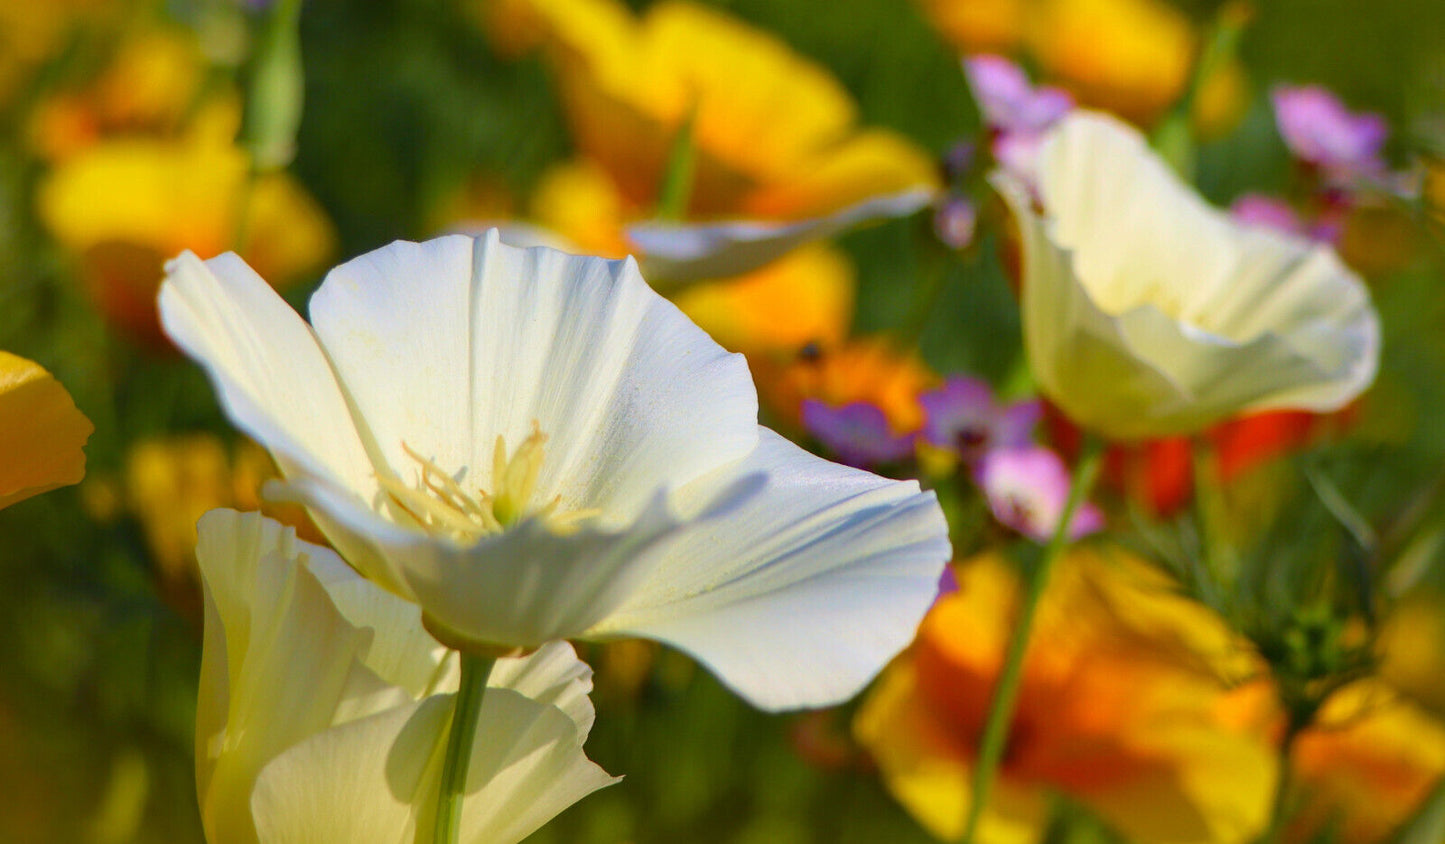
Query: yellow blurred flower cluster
154, 132
1132, 57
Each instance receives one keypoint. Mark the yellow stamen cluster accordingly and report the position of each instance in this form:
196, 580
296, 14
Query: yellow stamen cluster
438, 504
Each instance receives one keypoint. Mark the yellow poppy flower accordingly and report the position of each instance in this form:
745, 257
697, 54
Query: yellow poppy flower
779, 157
1360, 769
170, 482
1116, 710
165, 196
43, 432
147, 87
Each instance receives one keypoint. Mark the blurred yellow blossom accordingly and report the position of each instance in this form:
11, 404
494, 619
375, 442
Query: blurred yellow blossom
170, 482
764, 120
41, 432
1133, 57
147, 87
776, 142
1360, 769
1116, 709
168, 195
1410, 648
979, 26
33, 33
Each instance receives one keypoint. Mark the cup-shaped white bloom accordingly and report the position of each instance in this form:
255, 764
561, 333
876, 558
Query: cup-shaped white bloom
1147, 312
536, 446
324, 707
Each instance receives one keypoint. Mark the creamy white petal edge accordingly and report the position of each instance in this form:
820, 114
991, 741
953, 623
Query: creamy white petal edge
303, 735
690, 563
1148, 312
674, 254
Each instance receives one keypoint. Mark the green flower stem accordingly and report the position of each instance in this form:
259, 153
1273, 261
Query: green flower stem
1005, 696
475, 670
677, 179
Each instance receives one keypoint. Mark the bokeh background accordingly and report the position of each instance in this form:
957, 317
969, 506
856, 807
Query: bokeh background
119, 147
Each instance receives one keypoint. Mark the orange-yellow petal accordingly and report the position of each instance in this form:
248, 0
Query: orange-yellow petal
978, 26
1367, 764
43, 432
166, 196
580, 201
1128, 56
805, 297
925, 769
871, 163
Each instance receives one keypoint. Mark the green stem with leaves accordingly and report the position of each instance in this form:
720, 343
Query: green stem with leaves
1005, 696
460, 737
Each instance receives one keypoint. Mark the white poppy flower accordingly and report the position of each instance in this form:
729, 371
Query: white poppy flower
324, 706
1148, 312
536, 446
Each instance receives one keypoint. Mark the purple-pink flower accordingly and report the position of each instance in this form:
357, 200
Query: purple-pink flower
964, 417
1027, 489
1256, 209
857, 433
1318, 129
1016, 112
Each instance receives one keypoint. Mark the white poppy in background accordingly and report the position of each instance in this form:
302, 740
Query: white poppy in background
1147, 312
324, 706
535, 446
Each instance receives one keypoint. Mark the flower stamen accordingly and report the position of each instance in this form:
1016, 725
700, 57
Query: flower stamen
436, 503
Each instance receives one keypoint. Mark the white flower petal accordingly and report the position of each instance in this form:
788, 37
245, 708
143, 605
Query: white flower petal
279, 662
271, 376
679, 253
447, 344
375, 780
1148, 313
806, 589
529, 585
297, 735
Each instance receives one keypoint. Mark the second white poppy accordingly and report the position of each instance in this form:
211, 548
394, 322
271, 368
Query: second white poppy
1149, 313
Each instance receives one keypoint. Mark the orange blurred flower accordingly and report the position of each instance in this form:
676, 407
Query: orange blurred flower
1117, 709
41, 432
867, 370
1361, 769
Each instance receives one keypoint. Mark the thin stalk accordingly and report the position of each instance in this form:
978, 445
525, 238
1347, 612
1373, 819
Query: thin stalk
1279, 809
460, 735
1005, 696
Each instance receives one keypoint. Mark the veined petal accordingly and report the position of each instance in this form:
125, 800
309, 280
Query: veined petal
530, 585
808, 587
1147, 312
41, 434
446, 345
678, 253
278, 663
375, 780
272, 377
299, 740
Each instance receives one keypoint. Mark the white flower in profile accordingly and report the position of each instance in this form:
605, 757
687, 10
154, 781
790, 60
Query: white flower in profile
535, 446
324, 704
1147, 312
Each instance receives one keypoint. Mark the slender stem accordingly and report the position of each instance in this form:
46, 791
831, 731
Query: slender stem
463, 729
1279, 811
677, 179
1005, 696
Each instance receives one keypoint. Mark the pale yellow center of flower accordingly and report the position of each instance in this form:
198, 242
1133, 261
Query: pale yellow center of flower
437, 504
